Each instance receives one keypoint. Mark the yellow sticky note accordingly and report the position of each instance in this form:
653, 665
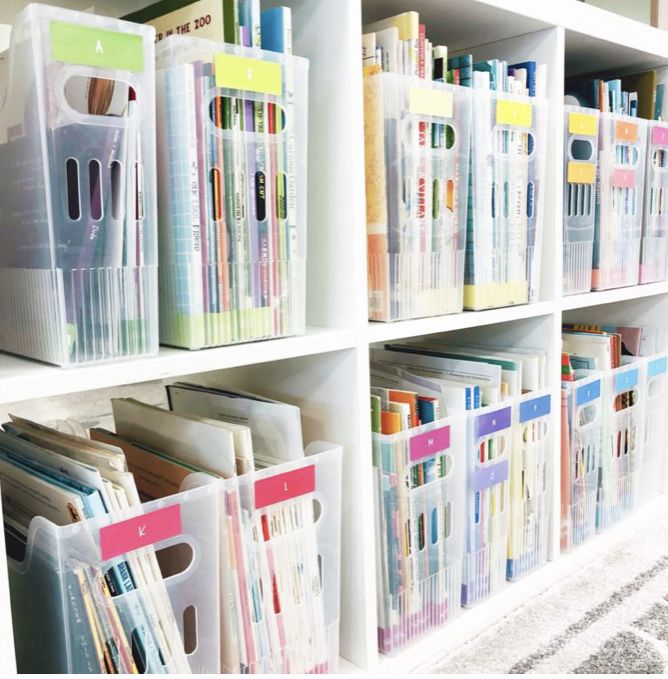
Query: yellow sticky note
251, 75
513, 113
581, 173
426, 102
583, 123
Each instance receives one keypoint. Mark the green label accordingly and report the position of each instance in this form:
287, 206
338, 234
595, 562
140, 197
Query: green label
76, 44
251, 75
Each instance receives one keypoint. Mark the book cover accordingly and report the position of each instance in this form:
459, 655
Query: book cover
195, 18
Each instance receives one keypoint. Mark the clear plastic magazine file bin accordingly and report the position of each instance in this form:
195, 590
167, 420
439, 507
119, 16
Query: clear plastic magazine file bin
619, 207
232, 160
580, 167
505, 219
487, 500
530, 485
417, 158
135, 591
78, 274
581, 442
654, 245
419, 478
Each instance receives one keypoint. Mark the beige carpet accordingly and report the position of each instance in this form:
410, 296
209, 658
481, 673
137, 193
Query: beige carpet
611, 617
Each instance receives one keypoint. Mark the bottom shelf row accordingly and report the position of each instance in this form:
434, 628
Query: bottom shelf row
205, 537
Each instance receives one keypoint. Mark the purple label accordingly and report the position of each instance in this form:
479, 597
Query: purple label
660, 136
429, 443
485, 477
491, 422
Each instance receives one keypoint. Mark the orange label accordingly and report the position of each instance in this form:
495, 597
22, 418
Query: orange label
626, 131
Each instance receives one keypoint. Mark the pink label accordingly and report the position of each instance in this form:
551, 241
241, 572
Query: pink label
429, 443
660, 136
623, 178
285, 486
141, 531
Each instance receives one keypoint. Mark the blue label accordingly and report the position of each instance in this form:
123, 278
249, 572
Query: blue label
491, 422
626, 380
536, 407
486, 477
588, 393
657, 366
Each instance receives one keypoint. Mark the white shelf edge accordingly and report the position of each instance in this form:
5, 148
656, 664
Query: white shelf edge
381, 332
421, 655
23, 379
589, 20
588, 299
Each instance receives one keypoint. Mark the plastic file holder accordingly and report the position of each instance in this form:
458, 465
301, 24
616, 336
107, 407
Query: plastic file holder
418, 137
60, 582
505, 217
487, 499
419, 477
232, 137
621, 158
78, 279
581, 441
530, 484
655, 430
622, 449
654, 246
580, 167
280, 606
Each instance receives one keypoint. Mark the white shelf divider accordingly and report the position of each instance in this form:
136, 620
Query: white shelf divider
386, 332
596, 298
22, 379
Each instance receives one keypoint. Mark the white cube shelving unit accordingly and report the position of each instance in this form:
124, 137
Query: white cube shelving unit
326, 372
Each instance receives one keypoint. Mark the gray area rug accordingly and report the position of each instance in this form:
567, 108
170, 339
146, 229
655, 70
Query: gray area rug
610, 617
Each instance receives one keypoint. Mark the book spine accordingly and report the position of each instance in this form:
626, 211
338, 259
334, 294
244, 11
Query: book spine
200, 127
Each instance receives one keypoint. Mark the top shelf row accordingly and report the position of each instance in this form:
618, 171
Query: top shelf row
462, 190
